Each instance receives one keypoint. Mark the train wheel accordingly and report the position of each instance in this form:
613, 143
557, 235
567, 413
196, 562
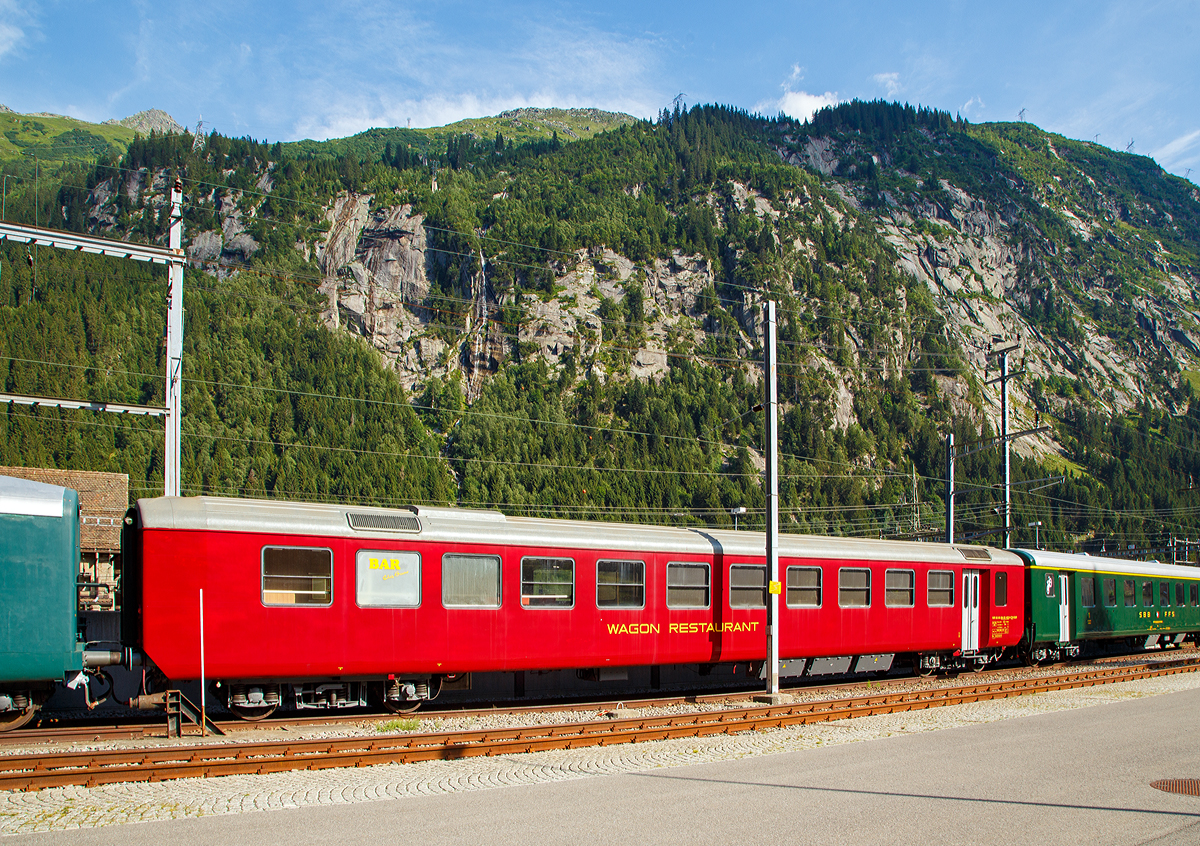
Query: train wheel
15, 719
923, 672
252, 713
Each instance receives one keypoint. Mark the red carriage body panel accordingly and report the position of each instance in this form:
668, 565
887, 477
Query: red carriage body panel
218, 545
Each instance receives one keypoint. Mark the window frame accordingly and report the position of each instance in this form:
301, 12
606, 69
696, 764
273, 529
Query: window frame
530, 606
693, 565
1130, 593
262, 577
929, 589
499, 582
1110, 587
1087, 591
788, 587
420, 587
1180, 595
765, 587
911, 590
842, 589
1148, 593
641, 584
1194, 594
1000, 590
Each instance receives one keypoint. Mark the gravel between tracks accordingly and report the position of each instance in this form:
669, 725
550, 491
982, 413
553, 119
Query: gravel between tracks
79, 807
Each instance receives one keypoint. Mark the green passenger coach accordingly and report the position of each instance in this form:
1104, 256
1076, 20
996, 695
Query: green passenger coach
39, 560
1082, 603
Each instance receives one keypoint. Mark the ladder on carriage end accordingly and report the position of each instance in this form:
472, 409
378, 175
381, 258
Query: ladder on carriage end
180, 708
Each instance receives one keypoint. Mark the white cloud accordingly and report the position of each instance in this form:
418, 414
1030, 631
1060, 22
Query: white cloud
797, 104
1173, 152
11, 34
890, 82
975, 104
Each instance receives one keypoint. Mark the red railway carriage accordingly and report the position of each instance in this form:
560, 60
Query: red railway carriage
327, 602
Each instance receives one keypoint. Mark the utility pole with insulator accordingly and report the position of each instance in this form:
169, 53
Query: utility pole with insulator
1001, 352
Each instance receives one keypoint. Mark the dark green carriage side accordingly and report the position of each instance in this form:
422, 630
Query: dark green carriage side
1108, 599
39, 562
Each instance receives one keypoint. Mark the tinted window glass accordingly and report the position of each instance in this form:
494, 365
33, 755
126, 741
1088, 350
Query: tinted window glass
1087, 588
748, 586
470, 581
1195, 594
1001, 589
854, 588
941, 589
1147, 594
1110, 592
687, 585
620, 584
1130, 594
1179, 593
899, 588
297, 576
547, 582
804, 587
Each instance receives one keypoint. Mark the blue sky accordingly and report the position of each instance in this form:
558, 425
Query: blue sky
1122, 71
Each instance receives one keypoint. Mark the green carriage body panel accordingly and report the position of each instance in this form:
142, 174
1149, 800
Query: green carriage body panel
39, 562
1108, 616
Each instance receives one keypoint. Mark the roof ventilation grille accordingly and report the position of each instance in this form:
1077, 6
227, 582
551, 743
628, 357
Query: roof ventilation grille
975, 553
384, 522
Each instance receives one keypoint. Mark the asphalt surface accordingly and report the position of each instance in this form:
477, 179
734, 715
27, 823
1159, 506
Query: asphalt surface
1070, 777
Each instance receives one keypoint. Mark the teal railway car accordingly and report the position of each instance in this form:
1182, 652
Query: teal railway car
1081, 603
39, 560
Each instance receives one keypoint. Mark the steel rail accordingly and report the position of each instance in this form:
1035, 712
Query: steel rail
33, 772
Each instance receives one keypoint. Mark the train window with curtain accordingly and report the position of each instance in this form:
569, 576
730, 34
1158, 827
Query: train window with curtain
1000, 597
547, 582
297, 576
804, 587
1179, 594
470, 581
386, 578
899, 588
1164, 594
854, 588
620, 584
941, 589
748, 586
1110, 593
1195, 593
1130, 593
1087, 587
1147, 594
687, 585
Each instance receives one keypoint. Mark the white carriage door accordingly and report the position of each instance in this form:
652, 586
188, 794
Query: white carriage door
970, 610
1064, 608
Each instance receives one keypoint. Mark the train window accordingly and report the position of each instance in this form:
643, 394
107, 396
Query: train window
547, 582
620, 584
941, 589
1179, 594
899, 588
1164, 594
297, 576
1110, 592
1130, 594
804, 587
1147, 594
854, 588
1087, 587
470, 581
1195, 593
387, 578
747, 586
1001, 595
687, 585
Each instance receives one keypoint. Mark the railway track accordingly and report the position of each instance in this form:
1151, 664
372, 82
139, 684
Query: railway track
33, 772
58, 730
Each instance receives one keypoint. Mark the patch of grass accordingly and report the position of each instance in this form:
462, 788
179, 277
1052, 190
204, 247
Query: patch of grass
400, 724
